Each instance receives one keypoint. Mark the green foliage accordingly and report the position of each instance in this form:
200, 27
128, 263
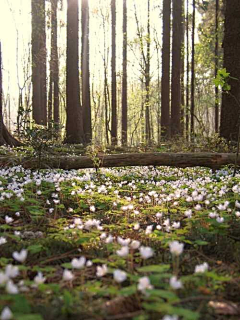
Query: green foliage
222, 79
88, 296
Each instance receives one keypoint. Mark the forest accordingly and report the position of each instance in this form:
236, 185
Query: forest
119, 159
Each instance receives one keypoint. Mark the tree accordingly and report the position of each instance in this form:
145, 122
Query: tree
39, 57
216, 66
165, 85
114, 76
187, 80
74, 122
176, 68
86, 100
53, 98
124, 76
5, 136
193, 70
182, 68
148, 79
230, 110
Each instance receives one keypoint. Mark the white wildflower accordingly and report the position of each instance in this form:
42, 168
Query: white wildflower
146, 252
176, 248
119, 275
20, 256
101, 271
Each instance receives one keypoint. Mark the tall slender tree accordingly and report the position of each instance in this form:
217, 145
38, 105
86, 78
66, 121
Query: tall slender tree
216, 66
148, 79
114, 76
176, 68
53, 97
74, 122
124, 76
230, 110
183, 68
39, 58
187, 80
165, 84
145, 42
86, 99
193, 70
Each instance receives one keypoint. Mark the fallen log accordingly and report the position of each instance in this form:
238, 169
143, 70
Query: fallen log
183, 160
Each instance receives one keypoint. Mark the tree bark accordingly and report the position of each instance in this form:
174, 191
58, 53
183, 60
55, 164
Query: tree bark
114, 76
147, 81
74, 123
182, 111
165, 86
216, 67
85, 56
187, 80
176, 68
230, 110
181, 160
39, 60
124, 76
55, 63
192, 129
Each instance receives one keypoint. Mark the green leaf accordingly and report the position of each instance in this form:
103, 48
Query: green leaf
168, 295
128, 291
201, 242
155, 268
35, 248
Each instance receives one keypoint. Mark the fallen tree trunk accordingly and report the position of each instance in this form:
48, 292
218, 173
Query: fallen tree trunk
183, 160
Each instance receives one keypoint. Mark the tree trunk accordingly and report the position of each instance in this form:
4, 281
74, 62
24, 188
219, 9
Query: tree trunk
187, 81
165, 97
181, 160
39, 58
182, 69
147, 82
74, 123
86, 99
230, 111
216, 67
176, 68
114, 77
5, 137
193, 72
124, 76
55, 62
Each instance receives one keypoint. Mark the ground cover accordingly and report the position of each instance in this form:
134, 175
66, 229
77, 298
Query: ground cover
127, 243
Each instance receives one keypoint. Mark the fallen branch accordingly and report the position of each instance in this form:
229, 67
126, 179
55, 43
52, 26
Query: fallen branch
183, 160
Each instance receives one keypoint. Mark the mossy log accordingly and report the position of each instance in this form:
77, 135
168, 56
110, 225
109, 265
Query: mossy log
182, 160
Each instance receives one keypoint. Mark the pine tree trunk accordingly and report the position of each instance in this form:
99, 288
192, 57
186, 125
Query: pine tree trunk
187, 81
39, 58
230, 111
182, 69
147, 82
176, 68
74, 123
55, 62
192, 129
85, 56
165, 86
114, 78
216, 67
124, 76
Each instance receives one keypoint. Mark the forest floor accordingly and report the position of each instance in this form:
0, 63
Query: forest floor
127, 243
